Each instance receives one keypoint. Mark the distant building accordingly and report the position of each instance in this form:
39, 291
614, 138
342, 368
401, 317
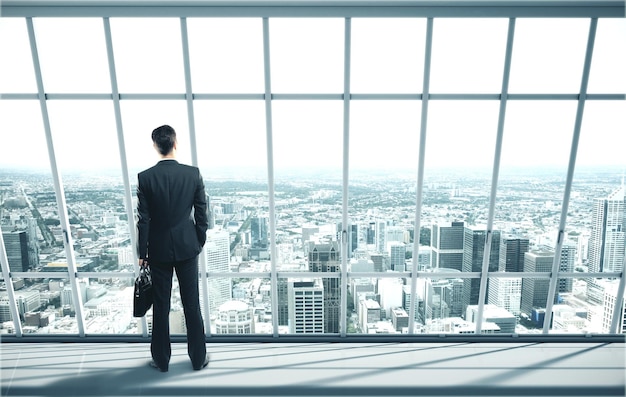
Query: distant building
381, 236
234, 317
397, 256
369, 313
493, 314
607, 241
16, 246
326, 258
473, 253
217, 249
399, 319
27, 301
610, 298
568, 260
306, 307
506, 293
535, 291
447, 246
512, 250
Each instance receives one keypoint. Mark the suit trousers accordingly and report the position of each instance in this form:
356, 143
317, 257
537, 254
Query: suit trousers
160, 345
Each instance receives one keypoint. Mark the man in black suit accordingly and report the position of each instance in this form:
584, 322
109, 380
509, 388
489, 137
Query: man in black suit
171, 227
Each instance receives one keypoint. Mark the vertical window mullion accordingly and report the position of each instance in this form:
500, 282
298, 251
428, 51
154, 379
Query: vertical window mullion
495, 174
58, 184
345, 233
270, 173
420, 172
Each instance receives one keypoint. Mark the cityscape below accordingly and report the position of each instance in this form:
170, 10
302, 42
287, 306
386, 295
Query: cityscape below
308, 239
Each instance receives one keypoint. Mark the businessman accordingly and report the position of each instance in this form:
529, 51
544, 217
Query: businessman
171, 228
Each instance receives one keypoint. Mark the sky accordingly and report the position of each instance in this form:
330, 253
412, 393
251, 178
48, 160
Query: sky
387, 56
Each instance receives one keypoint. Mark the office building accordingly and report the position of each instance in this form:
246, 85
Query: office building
473, 254
512, 250
16, 245
325, 258
535, 291
447, 243
306, 307
607, 240
217, 249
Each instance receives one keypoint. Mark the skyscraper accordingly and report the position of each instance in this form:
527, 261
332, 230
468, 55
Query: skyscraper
326, 258
606, 243
535, 291
381, 236
258, 230
397, 256
512, 250
506, 293
568, 258
473, 253
306, 306
447, 245
16, 245
218, 257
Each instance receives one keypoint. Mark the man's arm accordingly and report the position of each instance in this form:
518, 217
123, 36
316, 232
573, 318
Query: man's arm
200, 211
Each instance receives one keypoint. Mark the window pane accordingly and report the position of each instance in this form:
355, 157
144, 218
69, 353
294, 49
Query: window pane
30, 222
230, 138
314, 126
548, 55
384, 147
84, 124
387, 55
226, 55
458, 166
148, 55
535, 153
307, 55
308, 200
468, 55
384, 135
93, 185
609, 58
17, 75
72, 53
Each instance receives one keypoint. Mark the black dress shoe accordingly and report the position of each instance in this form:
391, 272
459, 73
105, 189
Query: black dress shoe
154, 365
204, 364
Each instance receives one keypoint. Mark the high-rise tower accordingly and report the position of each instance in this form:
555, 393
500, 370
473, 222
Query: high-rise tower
606, 243
16, 245
512, 250
447, 246
218, 257
323, 258
535, 291
473, 253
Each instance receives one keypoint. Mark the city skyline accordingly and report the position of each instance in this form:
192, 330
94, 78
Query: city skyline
96, 227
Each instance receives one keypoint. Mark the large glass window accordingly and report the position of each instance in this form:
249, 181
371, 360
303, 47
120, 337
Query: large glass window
276, 172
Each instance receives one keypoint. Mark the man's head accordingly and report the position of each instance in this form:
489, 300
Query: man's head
164, 139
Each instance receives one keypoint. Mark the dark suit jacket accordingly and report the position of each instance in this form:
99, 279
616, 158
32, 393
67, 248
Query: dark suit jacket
172, 212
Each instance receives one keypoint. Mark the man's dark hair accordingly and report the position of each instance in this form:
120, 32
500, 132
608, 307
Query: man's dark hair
164, 137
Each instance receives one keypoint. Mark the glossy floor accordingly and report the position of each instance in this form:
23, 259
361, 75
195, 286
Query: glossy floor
318, 369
